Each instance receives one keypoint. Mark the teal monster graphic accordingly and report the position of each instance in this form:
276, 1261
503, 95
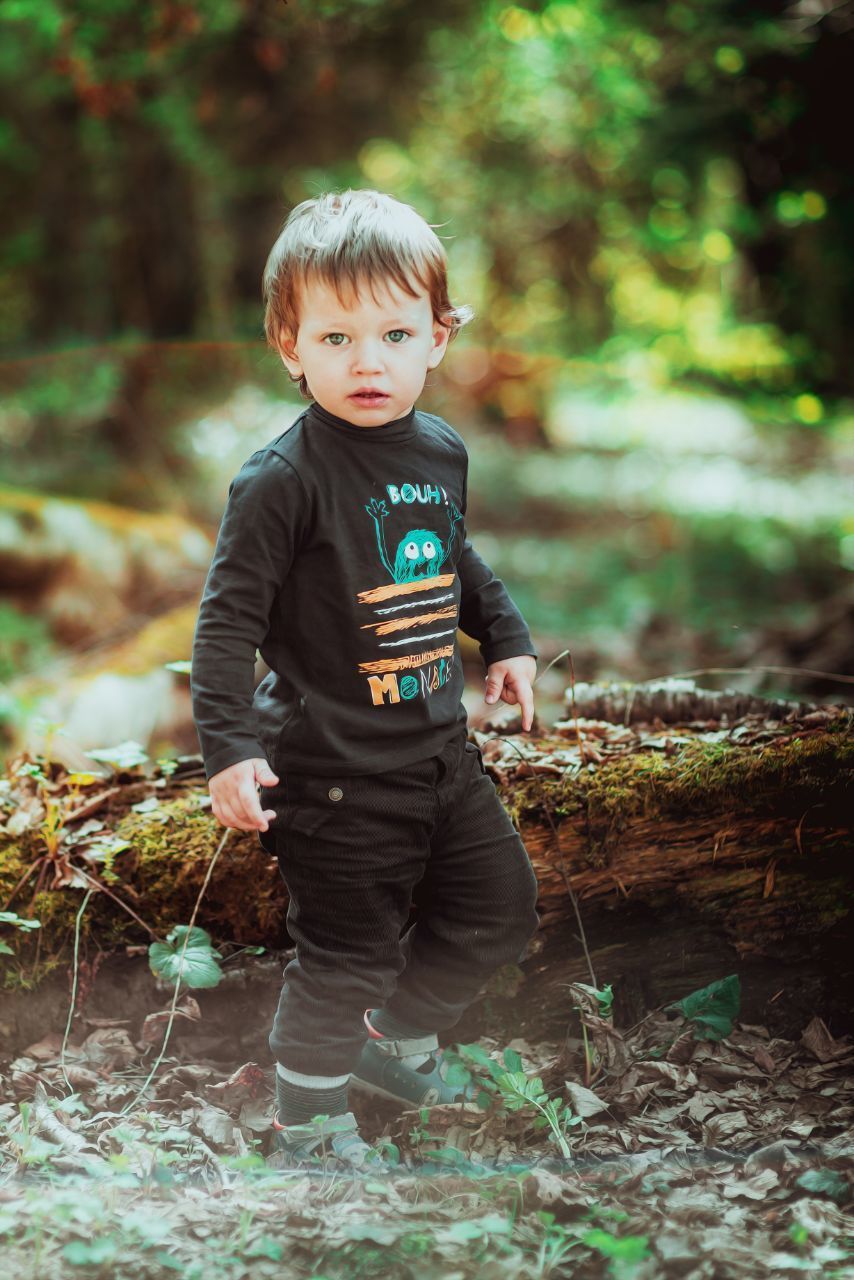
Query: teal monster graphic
420, 552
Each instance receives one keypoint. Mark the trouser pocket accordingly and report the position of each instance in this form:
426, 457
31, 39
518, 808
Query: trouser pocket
307, 803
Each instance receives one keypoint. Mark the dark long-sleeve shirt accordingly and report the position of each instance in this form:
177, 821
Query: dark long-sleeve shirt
342, 557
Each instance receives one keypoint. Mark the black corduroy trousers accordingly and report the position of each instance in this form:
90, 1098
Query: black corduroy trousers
355, 852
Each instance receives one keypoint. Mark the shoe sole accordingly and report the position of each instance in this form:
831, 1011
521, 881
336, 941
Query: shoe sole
407, 1104
378, 1092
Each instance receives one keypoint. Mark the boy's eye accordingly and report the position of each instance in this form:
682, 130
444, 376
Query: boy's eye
398, 337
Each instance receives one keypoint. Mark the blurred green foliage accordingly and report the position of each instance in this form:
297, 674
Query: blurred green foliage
25, 641
632, 195
610, 178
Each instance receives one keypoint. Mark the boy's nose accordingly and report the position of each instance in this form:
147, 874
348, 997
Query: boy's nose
367, 357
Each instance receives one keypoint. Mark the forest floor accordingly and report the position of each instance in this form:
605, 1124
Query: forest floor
688, 1156
692, 1144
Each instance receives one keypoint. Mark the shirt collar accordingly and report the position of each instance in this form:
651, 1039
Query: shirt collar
399, 429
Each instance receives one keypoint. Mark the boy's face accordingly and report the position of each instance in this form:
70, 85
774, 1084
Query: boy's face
385, 346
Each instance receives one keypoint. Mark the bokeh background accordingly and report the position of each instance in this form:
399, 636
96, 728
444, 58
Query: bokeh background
649, 207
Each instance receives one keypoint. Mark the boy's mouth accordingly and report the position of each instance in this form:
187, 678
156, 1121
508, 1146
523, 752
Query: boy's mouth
369, 398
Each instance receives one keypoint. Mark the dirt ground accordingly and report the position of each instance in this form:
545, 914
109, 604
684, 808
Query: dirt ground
690, 1157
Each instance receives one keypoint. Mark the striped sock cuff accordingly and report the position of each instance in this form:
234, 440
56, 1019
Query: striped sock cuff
310, 1082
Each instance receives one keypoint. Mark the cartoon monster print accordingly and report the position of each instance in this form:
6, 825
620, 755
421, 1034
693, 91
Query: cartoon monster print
420, 552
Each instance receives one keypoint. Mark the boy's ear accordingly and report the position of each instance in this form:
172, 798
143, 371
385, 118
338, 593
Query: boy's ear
441, 335
287, 353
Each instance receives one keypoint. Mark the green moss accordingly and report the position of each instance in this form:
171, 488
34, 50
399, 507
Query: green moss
159, 876
702, 777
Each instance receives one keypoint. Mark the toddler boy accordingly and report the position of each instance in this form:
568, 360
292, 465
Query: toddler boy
343, 557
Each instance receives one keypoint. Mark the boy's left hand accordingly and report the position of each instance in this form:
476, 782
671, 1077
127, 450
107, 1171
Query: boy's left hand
511, 679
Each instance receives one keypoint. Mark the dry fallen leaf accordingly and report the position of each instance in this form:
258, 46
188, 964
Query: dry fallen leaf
152, 1027
821, 1043
584, 1101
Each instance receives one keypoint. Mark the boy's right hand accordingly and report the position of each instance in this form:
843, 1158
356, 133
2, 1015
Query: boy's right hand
234, 797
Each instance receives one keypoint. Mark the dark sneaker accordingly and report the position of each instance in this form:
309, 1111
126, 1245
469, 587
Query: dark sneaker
329, 1145
381, 1072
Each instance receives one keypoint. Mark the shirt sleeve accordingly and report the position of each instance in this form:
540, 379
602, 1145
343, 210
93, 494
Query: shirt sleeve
255, 547
487, 613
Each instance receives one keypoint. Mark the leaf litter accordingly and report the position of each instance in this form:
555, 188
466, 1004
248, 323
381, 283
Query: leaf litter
689, 1156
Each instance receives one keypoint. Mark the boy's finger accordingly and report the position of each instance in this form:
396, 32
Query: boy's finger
227, 815
245, 822
527, 700
264, 774
249, 808
494, 685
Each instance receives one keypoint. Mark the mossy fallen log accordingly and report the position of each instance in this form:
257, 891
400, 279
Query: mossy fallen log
747, 834
85, 565
697, 834
666, 854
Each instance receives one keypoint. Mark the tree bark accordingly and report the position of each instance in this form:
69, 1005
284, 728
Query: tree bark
666, 857
709, 833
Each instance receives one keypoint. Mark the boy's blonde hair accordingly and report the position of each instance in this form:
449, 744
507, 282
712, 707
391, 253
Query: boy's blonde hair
348, 240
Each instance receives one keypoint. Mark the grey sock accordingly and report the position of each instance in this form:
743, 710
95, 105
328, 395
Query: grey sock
295, 1103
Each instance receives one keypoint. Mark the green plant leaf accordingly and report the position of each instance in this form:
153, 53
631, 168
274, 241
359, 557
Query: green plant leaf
480, 1058
606, 1001
457, 1074
826, 1182
199, 968
518, 1090
625, 1248
512, 1060
447, 1155
164, 1259
467, 1229
389, 1149
84, 1253
11, 917
713, 1008
476, 1053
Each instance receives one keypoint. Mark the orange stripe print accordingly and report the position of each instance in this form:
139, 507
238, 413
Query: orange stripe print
405, 624
406, 661
376, 594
